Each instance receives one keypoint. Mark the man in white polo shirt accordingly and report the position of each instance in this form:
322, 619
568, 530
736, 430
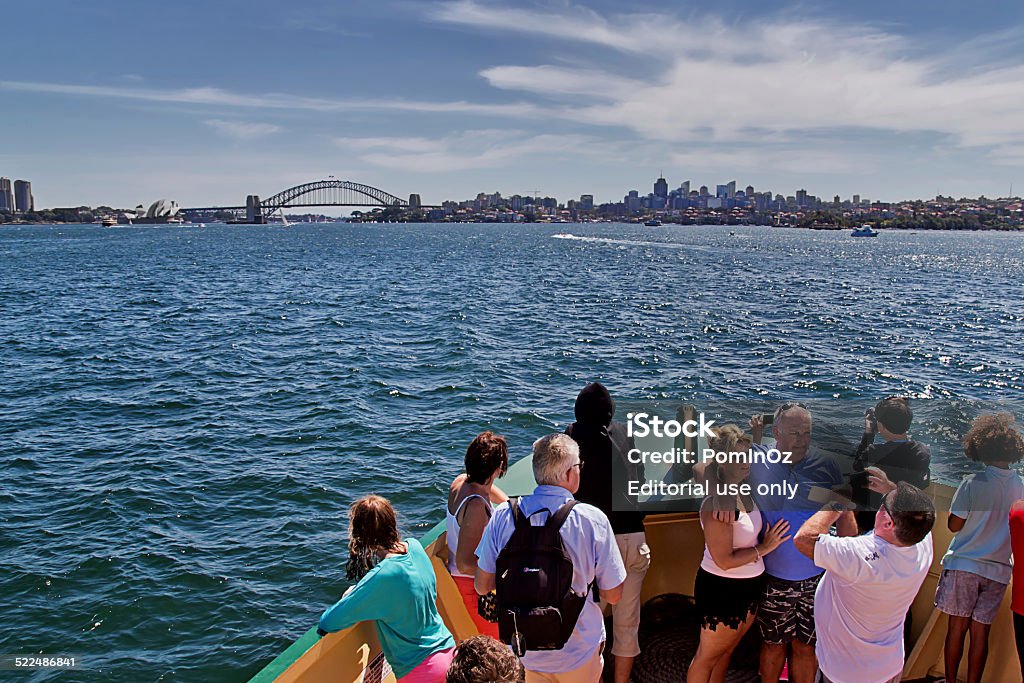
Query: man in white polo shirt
869, 582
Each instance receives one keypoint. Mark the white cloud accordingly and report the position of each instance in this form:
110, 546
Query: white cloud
226, 98
476, 149
242, 130
737, 82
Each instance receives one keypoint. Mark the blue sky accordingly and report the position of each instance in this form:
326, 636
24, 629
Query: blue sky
122, 103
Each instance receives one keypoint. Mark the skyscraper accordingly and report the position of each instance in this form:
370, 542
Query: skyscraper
6, 195
801, 197
632, 201
684, 189
661, 190
23, 199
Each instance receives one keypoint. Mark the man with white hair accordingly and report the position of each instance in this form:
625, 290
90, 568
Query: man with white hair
786, 612
587, 539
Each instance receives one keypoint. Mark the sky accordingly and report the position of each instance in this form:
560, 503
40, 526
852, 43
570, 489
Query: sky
205, 101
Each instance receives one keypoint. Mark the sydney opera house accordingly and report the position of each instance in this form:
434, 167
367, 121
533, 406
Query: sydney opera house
160, 212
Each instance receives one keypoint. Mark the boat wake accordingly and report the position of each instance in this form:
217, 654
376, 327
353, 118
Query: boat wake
625, 242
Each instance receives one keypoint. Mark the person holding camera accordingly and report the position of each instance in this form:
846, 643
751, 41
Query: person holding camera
898, 456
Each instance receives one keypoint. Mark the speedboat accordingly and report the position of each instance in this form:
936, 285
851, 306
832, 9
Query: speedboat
864, 231
677, 544
653, 223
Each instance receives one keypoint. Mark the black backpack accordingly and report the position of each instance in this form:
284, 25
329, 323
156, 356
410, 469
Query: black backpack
537, 607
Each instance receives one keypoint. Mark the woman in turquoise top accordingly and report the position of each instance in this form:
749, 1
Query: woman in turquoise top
397, 590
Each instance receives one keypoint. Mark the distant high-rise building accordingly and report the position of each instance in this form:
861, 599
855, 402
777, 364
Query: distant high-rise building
632, 201
23, 199
684, 189
661, 189
801, 197
836, 201
704, 191
856, 199
6, 195
730, 189
586, 202
749, 191
721, 191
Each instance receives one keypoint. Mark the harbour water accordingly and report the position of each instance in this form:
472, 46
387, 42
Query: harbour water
188, 412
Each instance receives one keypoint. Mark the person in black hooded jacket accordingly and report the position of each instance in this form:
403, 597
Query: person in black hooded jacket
603, 483
900, 457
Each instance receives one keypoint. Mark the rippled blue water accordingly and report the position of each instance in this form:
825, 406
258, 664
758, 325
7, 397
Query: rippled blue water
188, 412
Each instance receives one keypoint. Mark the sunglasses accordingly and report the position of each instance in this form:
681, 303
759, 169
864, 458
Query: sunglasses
888, 510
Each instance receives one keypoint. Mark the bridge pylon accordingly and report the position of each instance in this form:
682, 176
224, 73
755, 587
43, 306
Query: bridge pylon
254, 210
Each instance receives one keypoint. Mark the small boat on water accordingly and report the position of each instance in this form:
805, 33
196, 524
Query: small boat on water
108, 222
677, 546
864, 231
653, 223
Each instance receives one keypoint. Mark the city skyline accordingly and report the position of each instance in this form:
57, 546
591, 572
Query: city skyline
446, 99
18, 197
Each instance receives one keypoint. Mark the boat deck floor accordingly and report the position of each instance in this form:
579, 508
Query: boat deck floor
669, 635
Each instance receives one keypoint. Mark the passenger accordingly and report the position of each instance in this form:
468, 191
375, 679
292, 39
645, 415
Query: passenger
730, 579
900, 457
1017, 596
587, 539
482, 659
976, 568
469, 509
870, 581
396, 588
786, 612
603, 477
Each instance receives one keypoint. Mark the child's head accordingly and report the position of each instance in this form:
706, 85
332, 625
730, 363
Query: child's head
993, 438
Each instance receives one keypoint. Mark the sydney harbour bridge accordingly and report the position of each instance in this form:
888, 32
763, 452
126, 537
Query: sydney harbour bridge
318, 193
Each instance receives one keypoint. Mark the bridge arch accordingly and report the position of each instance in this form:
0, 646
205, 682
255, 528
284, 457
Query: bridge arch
330, 193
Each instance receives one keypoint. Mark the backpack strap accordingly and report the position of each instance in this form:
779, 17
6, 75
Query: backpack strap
556, 520
519, 518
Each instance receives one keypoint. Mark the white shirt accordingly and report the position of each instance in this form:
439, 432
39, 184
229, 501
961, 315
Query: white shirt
861, 603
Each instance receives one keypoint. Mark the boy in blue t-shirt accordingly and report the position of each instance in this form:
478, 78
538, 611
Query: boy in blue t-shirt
976, 569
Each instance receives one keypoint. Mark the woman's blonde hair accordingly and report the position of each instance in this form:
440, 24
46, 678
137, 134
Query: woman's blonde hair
727, 436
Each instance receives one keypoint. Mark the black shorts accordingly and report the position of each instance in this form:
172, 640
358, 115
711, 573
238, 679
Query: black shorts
721, 600
787, 610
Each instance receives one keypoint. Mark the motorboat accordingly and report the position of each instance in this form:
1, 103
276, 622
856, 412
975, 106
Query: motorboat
653, 223
864, 231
